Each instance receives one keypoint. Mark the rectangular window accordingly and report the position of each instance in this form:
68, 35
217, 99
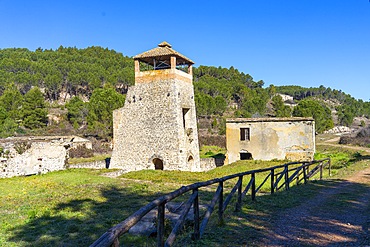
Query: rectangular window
185, 116
245, 134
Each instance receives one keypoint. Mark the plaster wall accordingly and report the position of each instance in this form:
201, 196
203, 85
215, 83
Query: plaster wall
291, 139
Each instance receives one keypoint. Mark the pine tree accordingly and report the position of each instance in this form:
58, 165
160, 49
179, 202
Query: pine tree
34, 109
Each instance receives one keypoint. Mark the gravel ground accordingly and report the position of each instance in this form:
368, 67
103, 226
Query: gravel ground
338, 216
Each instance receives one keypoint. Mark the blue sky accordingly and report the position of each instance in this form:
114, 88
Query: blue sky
282, 42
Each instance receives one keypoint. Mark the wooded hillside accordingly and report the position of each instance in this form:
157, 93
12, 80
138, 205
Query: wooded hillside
100, 78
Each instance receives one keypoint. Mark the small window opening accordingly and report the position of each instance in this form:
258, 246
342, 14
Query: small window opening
159, 64
183, 67
190, 159
245, 156
158, 164
245, 134
185, 116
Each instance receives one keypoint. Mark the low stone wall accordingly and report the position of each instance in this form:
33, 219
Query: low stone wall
37, 158
100, 164
23, 156
207, 164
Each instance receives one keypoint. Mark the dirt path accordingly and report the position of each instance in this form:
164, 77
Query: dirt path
357, 148
338, 216
334, 142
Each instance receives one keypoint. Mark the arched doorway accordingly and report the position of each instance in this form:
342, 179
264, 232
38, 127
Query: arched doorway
158, 164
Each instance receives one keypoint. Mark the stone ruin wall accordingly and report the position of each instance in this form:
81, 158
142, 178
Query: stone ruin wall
30, 156
39, 158
150, 125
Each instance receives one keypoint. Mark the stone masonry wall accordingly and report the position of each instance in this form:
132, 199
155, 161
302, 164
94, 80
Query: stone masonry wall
99, 164
39, 158
30, 155
207, 164
151, 125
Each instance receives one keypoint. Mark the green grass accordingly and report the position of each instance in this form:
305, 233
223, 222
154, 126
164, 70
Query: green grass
67, 208
211, 152
74, 207
342, 159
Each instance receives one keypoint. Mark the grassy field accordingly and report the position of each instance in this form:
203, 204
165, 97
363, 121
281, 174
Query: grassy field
74, 207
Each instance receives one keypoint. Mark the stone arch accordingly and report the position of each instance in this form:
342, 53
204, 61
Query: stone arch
158, 164
190, 160
245, 155
157, 161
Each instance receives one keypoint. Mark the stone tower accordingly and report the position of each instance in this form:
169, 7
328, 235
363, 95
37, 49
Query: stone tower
157, 127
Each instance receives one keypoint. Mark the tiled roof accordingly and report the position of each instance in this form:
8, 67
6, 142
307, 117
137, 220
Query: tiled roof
164, 49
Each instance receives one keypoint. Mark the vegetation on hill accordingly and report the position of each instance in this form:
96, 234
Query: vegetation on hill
346, 106
312, 108
90, 83
65, 70
216, 88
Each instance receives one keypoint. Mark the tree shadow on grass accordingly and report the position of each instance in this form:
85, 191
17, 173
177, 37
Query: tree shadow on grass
362, 157
253, 226
79, 222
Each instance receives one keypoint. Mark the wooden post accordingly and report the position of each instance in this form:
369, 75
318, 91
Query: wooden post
308, 171
297, 182
173, 62
160, 225
305, 174
196, 234
115, 243
190, 70
286, 169
329, 167
321, 165
253, 177
137, 66
221, 204
239, 202
210, 210
272, 180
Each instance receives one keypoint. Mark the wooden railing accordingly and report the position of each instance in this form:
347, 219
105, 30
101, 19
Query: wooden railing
280, 177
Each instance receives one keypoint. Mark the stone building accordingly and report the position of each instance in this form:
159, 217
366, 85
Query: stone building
157, 128
270, 138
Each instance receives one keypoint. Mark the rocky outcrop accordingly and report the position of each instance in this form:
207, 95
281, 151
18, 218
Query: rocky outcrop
339, 130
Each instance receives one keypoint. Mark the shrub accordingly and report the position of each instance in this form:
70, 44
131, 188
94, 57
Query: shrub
101, 147
21, 147
81, 152
212, 140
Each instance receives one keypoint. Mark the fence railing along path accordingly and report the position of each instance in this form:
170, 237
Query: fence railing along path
279, 176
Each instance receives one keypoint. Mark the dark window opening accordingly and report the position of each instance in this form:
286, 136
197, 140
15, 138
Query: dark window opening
245, 156
190, 159
158, 164
245, 134
185, 116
